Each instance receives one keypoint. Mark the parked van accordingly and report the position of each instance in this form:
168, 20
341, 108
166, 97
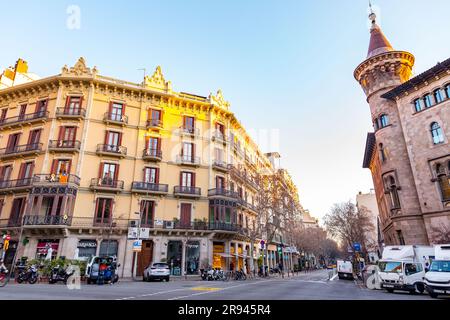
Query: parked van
345, 269
437, 278
403, 267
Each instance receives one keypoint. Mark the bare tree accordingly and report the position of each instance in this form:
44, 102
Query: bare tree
349, 224
441, 235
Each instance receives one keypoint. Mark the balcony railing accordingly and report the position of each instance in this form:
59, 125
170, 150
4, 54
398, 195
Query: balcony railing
110, 149
115, 118
26, 118
220, 166
22, 150
145, 187
188, 160
36, 220
54, 179
222, 193
220, 137
64, 145
223, 226
152, 155
106, 184
72, 113
154, 123
190, 131
15, 185
187, 191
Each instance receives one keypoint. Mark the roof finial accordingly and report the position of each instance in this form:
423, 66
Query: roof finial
372, 15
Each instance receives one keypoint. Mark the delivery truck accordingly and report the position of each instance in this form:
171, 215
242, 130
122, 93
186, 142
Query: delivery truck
403, 267
345, 269
437, 277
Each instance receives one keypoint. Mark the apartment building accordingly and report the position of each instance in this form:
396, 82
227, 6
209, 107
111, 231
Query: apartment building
89, 163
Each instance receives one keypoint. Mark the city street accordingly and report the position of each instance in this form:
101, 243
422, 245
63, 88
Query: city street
311, 286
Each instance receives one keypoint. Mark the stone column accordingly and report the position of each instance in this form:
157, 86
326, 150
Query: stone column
183, 257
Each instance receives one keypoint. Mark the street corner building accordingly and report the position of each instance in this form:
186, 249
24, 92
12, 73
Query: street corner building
409, 151
89, 163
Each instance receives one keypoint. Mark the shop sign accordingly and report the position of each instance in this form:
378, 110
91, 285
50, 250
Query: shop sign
87, 244
43, 246
134, 233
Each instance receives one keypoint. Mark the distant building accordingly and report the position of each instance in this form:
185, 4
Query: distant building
409, 151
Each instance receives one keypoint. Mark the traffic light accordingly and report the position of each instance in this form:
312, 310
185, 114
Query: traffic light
280, 250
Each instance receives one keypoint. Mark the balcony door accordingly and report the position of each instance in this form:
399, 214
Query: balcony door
151, 175
73, 105
5, 175
187, 179
113, 141
116, 111
189, 124
41, 107
155, 116
18, 206
22, 111
153, 145
67, 136
220, 183
188, 152
13, 142
103, 210
61, 167
33, 139
147, 213
185, 215
25, 173
109, 173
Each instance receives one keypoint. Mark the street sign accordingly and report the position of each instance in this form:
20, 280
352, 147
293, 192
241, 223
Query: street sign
357, 246
137, 245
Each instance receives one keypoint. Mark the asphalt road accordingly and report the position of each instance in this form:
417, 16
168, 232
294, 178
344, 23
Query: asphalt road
311, 286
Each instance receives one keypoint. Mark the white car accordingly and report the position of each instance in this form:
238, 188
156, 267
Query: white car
157, 271
437, 278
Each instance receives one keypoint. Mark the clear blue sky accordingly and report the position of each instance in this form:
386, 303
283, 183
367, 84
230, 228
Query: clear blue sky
283, 65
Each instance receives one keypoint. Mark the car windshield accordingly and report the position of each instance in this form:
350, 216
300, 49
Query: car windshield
440, 266
394, 267
160, 265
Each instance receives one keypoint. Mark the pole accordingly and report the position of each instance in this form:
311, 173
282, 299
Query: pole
17, 250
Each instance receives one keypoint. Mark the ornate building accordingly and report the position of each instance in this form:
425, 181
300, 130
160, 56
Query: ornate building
409, 152
89, 163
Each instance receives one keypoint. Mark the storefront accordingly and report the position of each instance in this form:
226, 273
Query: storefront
218, 259
87, 249
45, 246
192, 257
174, 257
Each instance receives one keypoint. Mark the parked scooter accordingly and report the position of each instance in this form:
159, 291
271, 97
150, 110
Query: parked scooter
27, 274
58, 273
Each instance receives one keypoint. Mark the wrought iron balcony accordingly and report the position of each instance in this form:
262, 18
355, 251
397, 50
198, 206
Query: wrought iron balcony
10, 186
152, 188
189, 131
221, 192
106, 184
20, 151
154, 124
24, 119
183, 191
219, 137
37, 220
220, 166
188, 160
115, 118
152, 155
54, 179
64, 145
223, 226
111, 150
70, 113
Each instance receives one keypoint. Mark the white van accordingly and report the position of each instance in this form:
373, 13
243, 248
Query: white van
345, 269
437, 278
403, 267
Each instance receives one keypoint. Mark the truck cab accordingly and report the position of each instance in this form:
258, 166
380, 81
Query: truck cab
403, 268
345, 269
437, 278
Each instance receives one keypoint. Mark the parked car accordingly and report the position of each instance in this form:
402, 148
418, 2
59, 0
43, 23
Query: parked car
157, 271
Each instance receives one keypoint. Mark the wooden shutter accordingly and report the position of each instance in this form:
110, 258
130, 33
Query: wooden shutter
193, 180
106, 137
100, 170
54, 166
120, 138
159, 144
2, 173
66, 107
181, 178
156, 175
61, 133
110, 107
21, 170
81, 102
31, 170
69, 166
116, 172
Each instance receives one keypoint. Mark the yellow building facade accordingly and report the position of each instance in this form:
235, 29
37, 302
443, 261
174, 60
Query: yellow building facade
88, 164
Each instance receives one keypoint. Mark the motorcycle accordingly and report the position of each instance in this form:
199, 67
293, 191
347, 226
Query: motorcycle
27, 274
58, 273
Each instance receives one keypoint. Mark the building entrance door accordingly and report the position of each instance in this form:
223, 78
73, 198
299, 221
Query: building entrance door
145, 257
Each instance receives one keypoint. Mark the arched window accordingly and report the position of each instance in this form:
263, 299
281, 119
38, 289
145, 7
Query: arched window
418, 105
383, 156
438, 97
384, 121
444, 181
436, 133
375, 124
428, 101
393, 192
447, 91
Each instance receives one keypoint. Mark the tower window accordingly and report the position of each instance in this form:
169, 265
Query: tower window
438, 97
436, 133
428, 101
383, 156
447, 91
444, 181
384, 121
393, 192
401, 240
418, 105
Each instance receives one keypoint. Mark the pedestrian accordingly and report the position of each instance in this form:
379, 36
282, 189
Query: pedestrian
231, 266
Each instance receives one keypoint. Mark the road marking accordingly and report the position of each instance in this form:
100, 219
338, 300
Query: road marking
205, 289
152, 294
334, 277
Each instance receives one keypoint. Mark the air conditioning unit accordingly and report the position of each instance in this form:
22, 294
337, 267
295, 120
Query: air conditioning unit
170, 224
133, 224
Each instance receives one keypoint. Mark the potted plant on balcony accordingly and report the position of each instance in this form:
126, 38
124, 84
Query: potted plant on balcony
200, 224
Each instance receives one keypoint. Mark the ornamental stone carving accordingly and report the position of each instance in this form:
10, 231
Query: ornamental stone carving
79, 69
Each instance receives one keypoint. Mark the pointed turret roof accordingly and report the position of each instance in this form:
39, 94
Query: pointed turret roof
378, 42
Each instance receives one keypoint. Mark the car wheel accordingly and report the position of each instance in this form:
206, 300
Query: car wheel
390, 290
433, 295
167, 279
419, 288
89, 281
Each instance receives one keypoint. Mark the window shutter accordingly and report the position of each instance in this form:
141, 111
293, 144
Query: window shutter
74, 133
81, 102
116, 172
66, 107
61, 133
159, 144
100, 170
181, 178
120, 138
31, 170
54, 166
106, 137
193, 152
110, 107
193, 180
21, 170
69, 166
156, 175
123, 109
2, 173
